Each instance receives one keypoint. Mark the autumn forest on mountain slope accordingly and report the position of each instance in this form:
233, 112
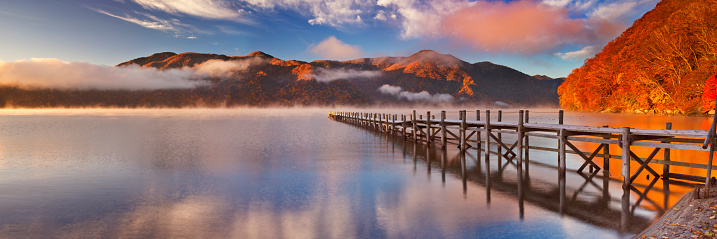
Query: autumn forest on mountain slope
659, 65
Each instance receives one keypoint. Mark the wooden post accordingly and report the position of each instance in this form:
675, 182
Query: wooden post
443, 130
429, 136
500, 135
462, 132
519, 149
393, 124
709, 168
403, 126
666, 167
626, 175
606, 171
666, 170
487, 137
415, 128
526, 145
563, 138
478, 133
560, 117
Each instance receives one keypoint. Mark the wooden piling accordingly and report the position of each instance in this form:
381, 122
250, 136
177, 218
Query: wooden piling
562, 141
526, 144
415, 127
560, 117
444, 135
500, 135
429, 134
478, 139
625, 175
462, 132
487, 137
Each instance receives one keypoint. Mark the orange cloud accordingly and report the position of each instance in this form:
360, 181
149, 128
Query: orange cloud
524, 26
333, 48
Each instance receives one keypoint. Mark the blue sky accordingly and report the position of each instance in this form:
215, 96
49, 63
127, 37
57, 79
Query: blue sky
549, 37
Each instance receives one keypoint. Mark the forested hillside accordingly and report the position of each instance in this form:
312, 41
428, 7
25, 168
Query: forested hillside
659, 65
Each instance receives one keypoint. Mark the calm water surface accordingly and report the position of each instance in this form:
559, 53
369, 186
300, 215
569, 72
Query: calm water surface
291, 173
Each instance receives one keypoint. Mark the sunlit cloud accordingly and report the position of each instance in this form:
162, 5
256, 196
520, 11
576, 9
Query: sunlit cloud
414, 96
332, 48
58, 74
327, 75
336, 13
421, 19
583, 53
524, 27
211, 9
173, 26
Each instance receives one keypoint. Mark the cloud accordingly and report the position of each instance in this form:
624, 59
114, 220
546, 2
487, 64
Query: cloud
583, 53
335, 13
421, 19
174, 26
412, 96
523, 27
326, 75
332, 48
211, 9
57, 74
223, 69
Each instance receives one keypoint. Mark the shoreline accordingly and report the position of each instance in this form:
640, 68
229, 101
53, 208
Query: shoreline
688, 218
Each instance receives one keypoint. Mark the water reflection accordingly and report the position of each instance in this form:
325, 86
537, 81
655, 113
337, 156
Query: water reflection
586, 195
282, 174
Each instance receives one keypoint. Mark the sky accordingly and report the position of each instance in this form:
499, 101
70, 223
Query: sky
537, 37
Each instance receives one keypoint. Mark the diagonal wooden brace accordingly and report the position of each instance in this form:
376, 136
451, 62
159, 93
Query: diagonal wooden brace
509, 149
588, 160
643, 164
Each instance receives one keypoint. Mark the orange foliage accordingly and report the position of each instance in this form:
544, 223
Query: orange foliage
304, 72
659, 65
710, 93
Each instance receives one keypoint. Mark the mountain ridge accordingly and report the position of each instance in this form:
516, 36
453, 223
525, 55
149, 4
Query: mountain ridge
260, 79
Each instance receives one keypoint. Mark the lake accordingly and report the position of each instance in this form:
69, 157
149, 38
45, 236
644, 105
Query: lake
290, 173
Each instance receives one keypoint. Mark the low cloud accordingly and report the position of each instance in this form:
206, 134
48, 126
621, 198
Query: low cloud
583, 53
335, 49
57, 74
327, 75
223, 69
413, 96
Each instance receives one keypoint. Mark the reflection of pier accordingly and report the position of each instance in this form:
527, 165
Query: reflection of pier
481, 134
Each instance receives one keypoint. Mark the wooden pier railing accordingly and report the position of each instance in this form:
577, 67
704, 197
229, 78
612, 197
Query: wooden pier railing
480, 134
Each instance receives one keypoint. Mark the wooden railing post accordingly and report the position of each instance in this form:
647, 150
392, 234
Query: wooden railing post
415, 128
519, 149
560, 117
526, 145
487, 136
444, 135
500, 135
462, 131
478, 133
562, 140
429, 135
625, 175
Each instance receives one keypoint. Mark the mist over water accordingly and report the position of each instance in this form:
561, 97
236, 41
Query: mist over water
253, 173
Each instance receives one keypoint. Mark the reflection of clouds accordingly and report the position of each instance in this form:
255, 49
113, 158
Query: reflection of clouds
416, 209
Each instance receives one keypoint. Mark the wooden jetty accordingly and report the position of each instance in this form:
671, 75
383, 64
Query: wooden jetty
480, 134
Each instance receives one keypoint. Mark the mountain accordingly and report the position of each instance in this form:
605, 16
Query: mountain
658, 65
259, 79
